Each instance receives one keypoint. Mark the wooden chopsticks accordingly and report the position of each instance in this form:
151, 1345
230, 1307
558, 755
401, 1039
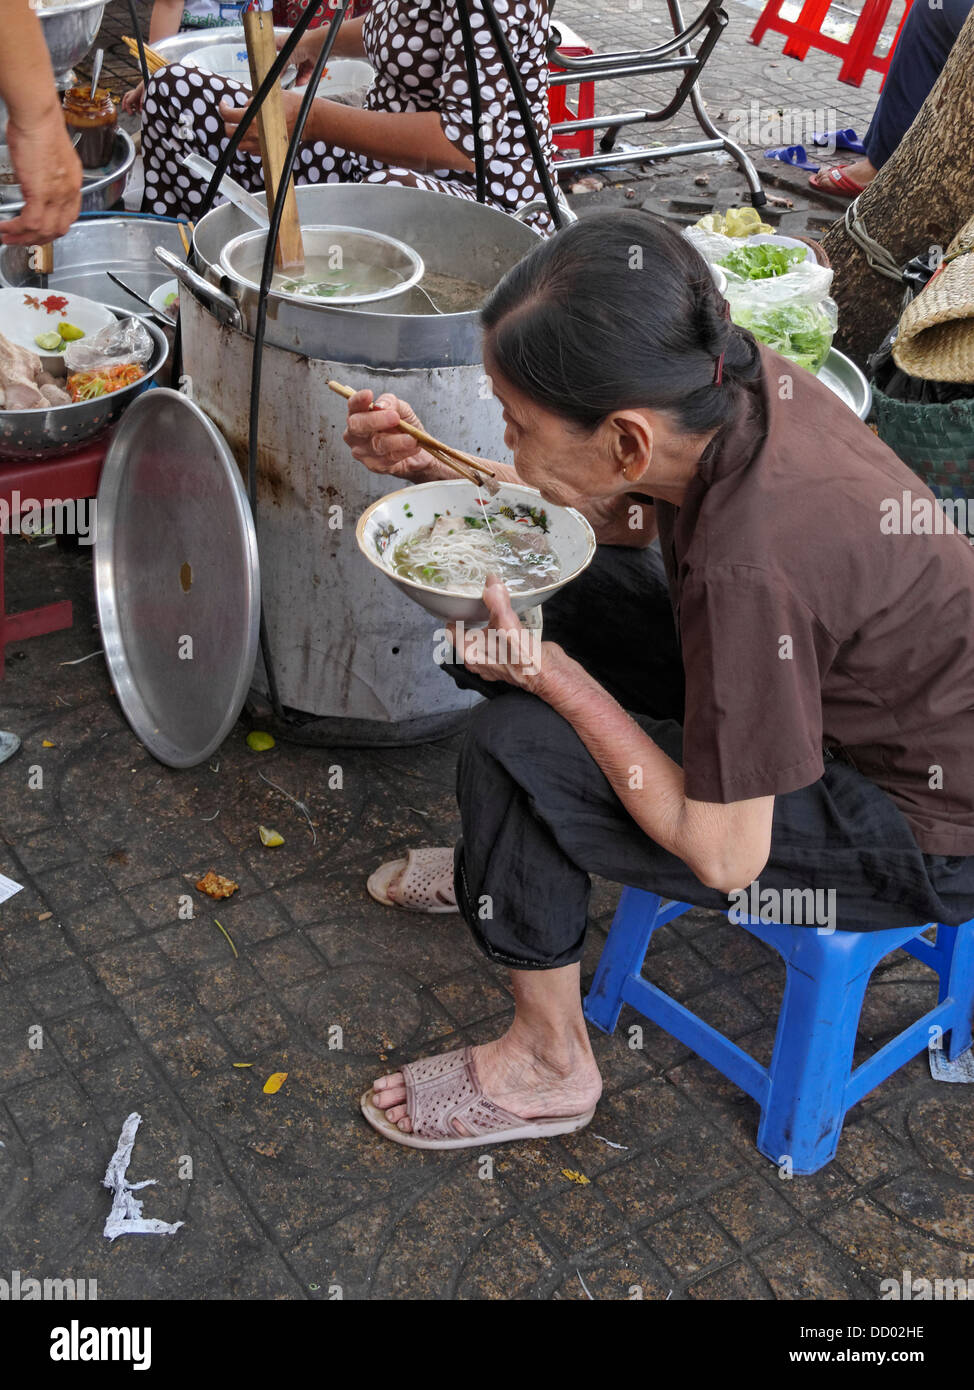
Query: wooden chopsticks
466, 465
153, 60
185, 230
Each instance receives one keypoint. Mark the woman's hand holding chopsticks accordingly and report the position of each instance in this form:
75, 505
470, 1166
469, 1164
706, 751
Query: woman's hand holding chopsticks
374, 437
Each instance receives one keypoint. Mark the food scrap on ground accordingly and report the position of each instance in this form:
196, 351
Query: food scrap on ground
214, 885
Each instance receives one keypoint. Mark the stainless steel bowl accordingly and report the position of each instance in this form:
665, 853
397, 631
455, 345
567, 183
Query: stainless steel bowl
29, 435
69, 31
92, 247
242, 260
99, 191
843, 377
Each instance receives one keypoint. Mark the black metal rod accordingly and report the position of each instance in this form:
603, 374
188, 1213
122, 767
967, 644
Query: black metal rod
470, 58
138, 39
266, 275
524, 108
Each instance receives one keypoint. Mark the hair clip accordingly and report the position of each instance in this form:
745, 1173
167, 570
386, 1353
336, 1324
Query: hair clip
718, 369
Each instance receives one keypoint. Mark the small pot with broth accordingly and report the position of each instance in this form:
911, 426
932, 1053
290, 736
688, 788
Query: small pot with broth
344, 266
355, 269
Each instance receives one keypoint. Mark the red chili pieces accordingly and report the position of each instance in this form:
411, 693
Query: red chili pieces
54, 303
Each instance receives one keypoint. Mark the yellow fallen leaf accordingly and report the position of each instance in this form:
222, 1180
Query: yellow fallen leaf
48, 744
269, 837
243, 1064
274, 1083
572, 1176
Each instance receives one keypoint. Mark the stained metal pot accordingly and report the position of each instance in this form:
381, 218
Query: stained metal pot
452, 235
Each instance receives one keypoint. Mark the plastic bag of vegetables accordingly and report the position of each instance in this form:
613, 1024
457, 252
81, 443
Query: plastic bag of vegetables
791, 313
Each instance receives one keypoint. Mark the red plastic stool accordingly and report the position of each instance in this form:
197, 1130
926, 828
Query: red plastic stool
68, 478
858, 53
558, 109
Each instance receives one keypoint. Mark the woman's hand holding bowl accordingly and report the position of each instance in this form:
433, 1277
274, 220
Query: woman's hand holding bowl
504, 650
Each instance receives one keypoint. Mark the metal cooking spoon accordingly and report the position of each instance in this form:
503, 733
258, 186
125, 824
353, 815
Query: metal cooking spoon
96, 71
162, 319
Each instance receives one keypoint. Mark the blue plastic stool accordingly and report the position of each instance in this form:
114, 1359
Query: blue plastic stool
810, 1084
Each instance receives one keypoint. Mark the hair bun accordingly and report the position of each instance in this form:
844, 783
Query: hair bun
713, 321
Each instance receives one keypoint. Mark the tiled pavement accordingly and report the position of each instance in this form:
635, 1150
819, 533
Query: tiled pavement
291, 1196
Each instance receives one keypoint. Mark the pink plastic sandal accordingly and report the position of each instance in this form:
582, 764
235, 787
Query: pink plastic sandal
442, 1089
422, 882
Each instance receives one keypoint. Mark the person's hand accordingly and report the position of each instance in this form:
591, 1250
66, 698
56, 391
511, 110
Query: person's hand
306, 52
504, 650
375, 439
49, 174
133, 99
232, 116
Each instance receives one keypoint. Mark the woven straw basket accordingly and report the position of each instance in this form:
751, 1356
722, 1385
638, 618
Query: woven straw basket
936, 441
935, 339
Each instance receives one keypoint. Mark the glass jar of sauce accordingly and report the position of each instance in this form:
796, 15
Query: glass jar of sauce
95, 117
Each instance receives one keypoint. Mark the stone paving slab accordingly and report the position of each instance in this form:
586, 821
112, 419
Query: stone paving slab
291, 1196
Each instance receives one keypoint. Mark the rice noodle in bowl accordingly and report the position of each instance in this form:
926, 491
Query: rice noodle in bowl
438, 542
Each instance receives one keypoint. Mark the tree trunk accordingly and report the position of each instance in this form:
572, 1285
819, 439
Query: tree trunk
921, 197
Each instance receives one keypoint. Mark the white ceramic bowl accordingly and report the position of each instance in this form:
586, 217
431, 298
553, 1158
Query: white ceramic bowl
160, 294
230, 60
569, 534
20, 322
344, 75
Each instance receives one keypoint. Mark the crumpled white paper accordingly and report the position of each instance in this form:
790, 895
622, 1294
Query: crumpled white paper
125, 1217
961, 1069
7, 886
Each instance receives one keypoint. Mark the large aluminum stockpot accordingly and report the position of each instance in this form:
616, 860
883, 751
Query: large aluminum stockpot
454, 236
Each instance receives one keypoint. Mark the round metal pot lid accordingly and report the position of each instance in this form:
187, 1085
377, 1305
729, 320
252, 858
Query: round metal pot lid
177, 578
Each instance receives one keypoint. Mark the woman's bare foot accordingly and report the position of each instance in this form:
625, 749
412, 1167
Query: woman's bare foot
860, 173
516, 1078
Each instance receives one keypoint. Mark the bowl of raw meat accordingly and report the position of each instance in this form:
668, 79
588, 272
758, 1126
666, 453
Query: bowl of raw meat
42, 415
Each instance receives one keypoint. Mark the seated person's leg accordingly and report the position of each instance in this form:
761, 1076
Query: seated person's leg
180, 116
922, 51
